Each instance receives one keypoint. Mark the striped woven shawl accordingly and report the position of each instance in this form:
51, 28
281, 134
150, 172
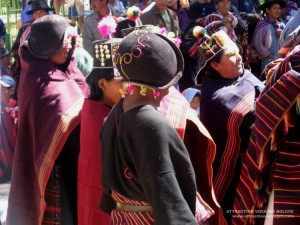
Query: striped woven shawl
272, 162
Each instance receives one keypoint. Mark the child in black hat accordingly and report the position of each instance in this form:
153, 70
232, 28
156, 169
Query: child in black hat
147, 173
104, 82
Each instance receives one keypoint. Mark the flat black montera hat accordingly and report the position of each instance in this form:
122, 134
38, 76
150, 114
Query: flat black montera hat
149, 59
104, 58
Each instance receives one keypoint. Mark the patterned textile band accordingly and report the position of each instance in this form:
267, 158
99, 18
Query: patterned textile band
119, 217
52, 214
133, 208
272, 162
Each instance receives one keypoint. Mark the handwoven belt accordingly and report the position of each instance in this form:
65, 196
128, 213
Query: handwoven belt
133, 208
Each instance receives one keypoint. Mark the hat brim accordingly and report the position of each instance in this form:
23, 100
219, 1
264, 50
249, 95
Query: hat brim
180, 67
48, 55
29, 12
4, 84
264, 5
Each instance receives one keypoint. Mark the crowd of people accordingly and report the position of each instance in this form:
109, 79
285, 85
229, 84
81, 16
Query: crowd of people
152, 112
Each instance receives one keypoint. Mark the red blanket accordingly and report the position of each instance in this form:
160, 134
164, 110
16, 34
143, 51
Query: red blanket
177, 110
90, 189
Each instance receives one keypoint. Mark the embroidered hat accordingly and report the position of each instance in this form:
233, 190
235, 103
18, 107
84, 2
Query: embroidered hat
38, 5
149, 59
7, 81
47, 36
268, 3
3, 52
149, 28
210, 46
104, 55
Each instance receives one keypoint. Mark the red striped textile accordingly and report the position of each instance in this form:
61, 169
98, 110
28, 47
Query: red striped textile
203, 212
52, 213
177, 110
232, 148
133, 218
271, 163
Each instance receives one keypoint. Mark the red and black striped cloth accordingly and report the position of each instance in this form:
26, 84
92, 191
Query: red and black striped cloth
272, 161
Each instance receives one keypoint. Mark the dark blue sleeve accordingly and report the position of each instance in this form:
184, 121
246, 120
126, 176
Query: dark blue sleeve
2, 29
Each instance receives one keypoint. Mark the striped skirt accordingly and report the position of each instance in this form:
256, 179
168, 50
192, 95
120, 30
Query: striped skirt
120, 217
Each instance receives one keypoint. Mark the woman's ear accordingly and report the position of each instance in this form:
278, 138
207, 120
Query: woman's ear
215, 66
102, 83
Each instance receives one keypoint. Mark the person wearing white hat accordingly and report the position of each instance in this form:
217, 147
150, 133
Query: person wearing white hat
8, 129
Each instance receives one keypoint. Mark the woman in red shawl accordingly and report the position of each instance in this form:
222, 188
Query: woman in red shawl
104, 83
51, 93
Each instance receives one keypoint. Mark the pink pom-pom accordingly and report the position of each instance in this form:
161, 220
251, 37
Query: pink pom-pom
130, 89
163, 31
177, 41
107, 26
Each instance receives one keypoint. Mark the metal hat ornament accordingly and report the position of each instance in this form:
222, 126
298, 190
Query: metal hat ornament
104, 50
104, 55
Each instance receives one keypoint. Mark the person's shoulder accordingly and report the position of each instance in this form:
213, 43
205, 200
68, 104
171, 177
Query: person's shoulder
89, 17
253, 80
92, 16
150, 9
171, 11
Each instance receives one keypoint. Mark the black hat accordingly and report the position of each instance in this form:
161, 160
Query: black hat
38, 5
104, 52
210, 46
3, 52
268, 3
149, 59
149, 28
217, 1
47, 36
